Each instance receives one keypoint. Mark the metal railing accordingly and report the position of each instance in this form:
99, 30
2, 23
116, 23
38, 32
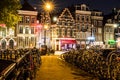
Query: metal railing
105, 67
25, 63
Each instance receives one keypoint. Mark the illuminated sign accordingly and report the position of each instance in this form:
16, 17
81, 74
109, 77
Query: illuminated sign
111, 42
2, 25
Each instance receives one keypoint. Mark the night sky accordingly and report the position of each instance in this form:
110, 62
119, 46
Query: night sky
103, 5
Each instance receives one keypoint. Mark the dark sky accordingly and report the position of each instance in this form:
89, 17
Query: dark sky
103, 5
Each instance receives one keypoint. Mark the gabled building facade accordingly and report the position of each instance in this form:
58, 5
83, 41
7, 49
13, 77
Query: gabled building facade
26, 27
111, 29
97, 27
64, 32
83, 24
8, 39
89, 25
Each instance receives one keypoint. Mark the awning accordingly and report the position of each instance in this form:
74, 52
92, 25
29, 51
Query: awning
68, 41
2, 25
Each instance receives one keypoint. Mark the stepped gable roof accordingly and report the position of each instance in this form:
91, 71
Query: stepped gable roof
82, 4
66, 11
27, 6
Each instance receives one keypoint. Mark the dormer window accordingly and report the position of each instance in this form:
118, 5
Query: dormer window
26, 30
27, 19
83, 7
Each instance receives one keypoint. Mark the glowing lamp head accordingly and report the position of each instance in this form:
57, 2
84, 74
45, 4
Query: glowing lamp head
48, 6
115, 25
54, 19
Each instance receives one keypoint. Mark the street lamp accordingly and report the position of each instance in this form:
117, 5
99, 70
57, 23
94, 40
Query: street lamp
115, 25
92, 31
54, 19
47, 8
92, 38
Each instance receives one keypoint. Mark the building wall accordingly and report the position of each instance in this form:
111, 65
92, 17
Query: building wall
63, 29
97, 22
83, 24
111, 28
88, 24
108, 34
7, 38
27, 29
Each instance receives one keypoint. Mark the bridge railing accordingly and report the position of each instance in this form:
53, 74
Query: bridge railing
106, 66
24, 64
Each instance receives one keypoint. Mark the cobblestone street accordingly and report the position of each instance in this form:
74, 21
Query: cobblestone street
53, 68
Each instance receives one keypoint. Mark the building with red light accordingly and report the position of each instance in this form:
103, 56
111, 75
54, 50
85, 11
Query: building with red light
68, 32
7, 39
26, 30
78, 29
63, 32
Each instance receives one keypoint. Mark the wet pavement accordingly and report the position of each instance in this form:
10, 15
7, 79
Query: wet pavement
53, 68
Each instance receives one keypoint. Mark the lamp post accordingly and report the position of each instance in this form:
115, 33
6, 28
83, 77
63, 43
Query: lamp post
54, 22
92, 38
92, 31
48, 7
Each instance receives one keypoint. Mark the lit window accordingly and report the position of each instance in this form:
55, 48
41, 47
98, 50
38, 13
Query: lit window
27, 19
99, 30
33, 19
32, 30
26, 30
107, 30
21, 29
21, 19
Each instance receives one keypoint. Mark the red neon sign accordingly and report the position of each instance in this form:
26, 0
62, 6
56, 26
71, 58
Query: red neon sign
2, 25
68, 41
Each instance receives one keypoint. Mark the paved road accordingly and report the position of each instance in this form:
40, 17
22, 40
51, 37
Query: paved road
53, 68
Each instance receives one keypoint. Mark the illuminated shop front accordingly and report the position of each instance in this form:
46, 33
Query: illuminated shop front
64, 43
